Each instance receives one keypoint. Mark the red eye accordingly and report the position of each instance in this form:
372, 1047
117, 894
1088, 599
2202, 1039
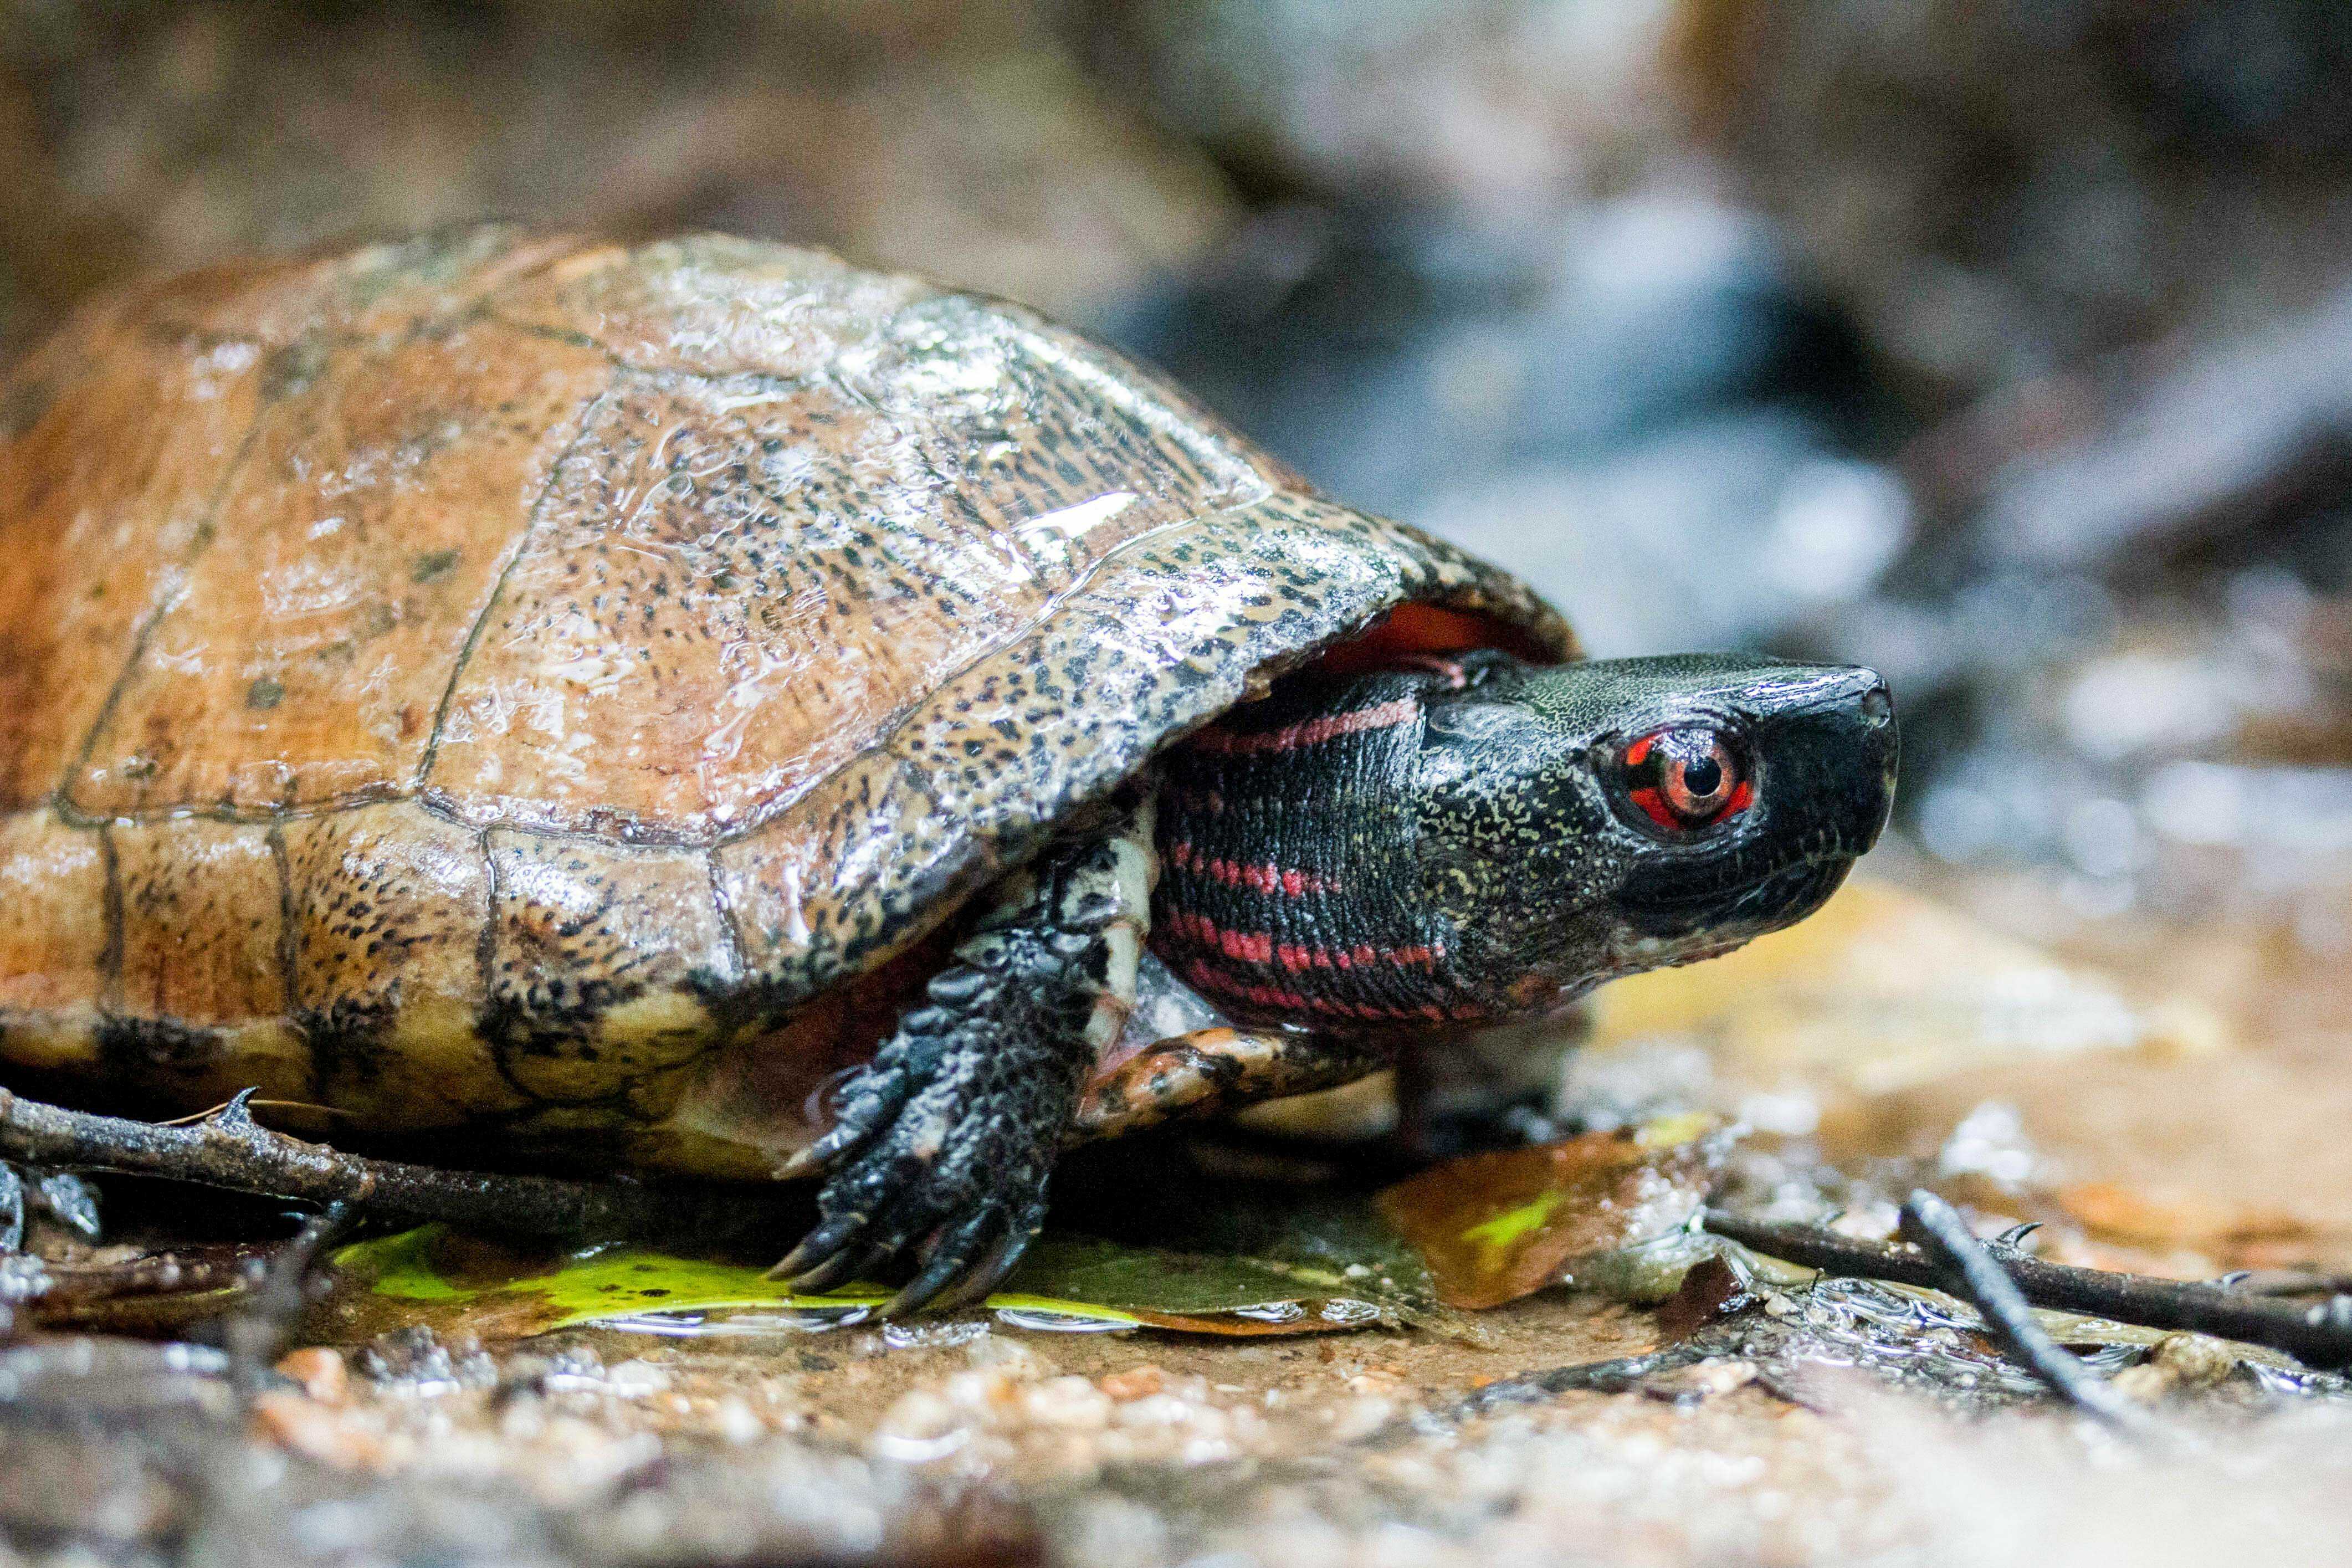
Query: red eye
1686, 778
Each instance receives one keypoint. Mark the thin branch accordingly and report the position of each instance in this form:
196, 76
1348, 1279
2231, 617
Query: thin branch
229, 1149
265, 1319
1620, 1375
74, 1284
1971, 1273
2319, 1335
2286, 1283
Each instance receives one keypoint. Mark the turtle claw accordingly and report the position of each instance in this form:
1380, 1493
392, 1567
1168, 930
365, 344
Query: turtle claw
951, 1263
967, 1266
970, 1206
881, 1090
817, 1251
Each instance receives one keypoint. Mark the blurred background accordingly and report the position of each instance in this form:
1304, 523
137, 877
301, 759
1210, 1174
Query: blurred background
2005, 345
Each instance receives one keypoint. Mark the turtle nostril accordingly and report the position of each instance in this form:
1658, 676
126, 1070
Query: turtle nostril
1877, 706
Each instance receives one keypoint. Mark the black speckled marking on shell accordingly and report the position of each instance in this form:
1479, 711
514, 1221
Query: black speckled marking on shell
1124, 667
589, 964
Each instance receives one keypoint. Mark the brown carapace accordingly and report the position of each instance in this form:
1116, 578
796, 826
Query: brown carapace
502, 685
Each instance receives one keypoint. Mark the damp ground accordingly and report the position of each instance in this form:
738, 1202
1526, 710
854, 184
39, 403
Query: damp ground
2170, 1107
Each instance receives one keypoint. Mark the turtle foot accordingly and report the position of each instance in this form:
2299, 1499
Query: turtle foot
944, 1145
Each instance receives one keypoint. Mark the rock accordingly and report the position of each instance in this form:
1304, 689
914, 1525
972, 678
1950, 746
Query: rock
1134, 1382
319, 1371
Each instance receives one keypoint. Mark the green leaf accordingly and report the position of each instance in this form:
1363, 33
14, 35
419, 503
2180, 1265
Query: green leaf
1292, 1265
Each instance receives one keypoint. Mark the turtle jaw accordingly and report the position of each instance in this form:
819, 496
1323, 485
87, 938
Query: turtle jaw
1662, 932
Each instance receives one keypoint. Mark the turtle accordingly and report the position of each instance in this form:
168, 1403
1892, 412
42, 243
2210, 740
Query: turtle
701, 707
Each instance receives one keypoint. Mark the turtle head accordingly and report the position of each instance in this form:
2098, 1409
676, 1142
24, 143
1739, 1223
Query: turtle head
1584, 821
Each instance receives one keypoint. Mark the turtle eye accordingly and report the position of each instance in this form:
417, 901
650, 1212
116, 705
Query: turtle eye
1686, 778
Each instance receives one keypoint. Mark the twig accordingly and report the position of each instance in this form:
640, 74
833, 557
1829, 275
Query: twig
2277, 1282
229, 1149
2319, 1336
1971, 1273
259, 1329
1618, 1376
76, 1285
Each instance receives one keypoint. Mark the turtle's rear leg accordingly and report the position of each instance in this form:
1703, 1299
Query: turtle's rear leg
945, 1142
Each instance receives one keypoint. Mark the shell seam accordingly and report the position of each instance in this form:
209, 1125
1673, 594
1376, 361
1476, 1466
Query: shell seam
584, 414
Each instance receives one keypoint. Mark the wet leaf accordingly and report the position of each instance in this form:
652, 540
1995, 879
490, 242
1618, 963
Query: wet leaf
1303, 1279
1160, 1285
1610, 1207
1714, 1289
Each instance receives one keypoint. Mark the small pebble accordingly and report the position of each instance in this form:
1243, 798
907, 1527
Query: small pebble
1068, 1401
2181, 1363
1706, 1380
1135, 1383
320, 1372
2196, 1360
637, 1379
296, 1422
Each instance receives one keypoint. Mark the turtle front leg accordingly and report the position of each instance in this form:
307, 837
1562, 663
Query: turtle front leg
946, 1141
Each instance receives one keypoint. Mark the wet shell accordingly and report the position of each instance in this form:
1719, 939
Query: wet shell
498, 681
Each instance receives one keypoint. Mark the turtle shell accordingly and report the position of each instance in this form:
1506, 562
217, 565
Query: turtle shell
475, 678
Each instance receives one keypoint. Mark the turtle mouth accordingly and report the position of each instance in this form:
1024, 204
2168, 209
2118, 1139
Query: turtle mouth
1756, 905
1790, 894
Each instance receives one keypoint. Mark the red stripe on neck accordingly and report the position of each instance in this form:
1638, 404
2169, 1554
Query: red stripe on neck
1259, 947
1273, 998
1309, 731
1267, 878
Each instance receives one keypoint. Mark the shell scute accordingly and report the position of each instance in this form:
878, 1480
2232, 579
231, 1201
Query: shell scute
55, 935
120, 439
203, 935
305, 656
197, 1004
736, 585
842, 876
709, 304
593, 957
389, 905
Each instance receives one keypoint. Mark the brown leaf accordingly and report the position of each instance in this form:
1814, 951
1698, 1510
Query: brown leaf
1710, 1292
1496, 1226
